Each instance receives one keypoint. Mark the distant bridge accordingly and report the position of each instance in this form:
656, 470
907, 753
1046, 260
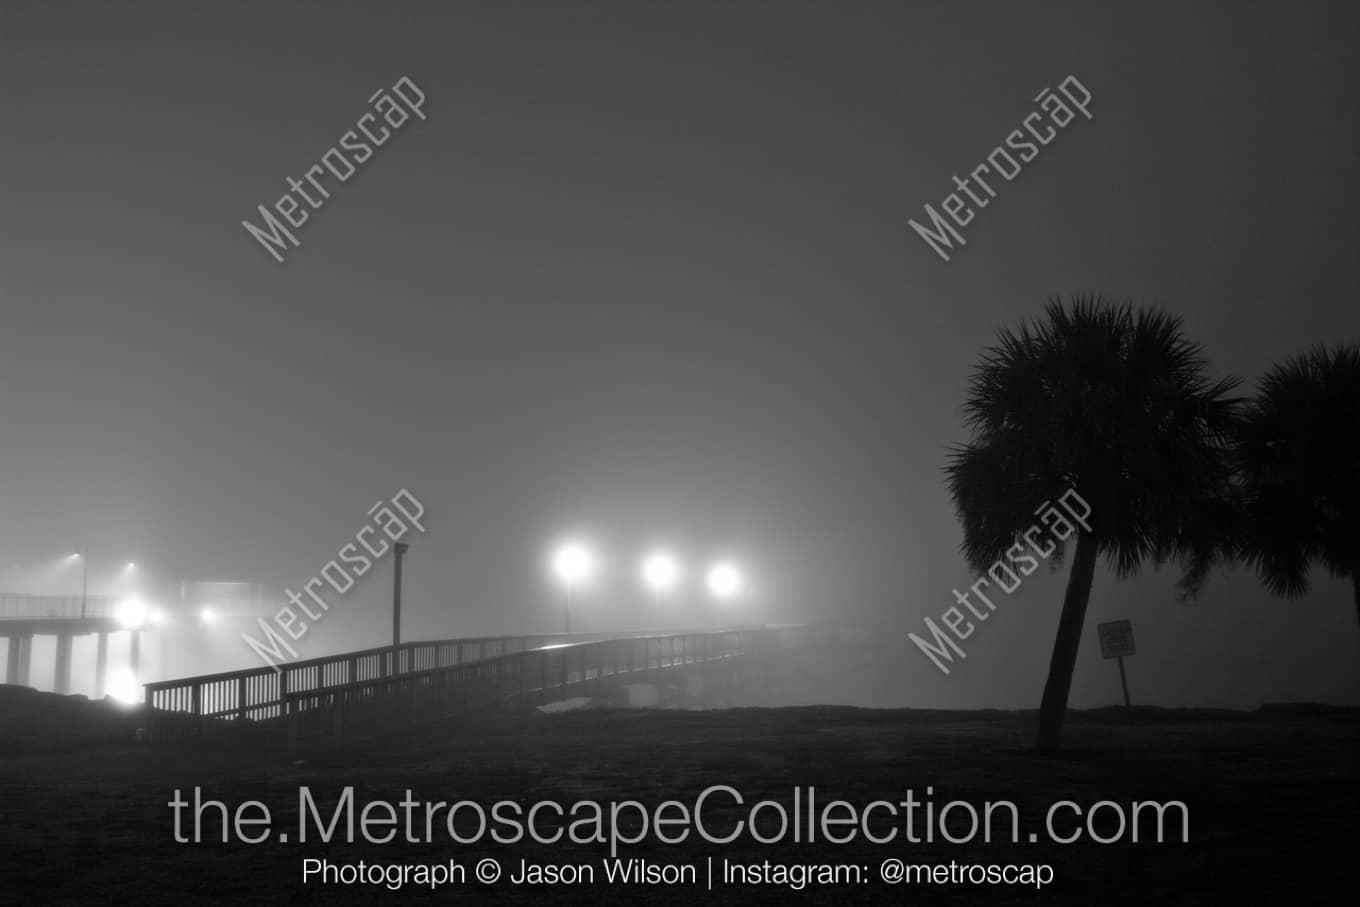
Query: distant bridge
52, 608
22, 617
325, 703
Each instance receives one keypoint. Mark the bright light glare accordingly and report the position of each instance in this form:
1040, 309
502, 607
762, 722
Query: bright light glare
130, 613
574, 564
157, 617
208, 616
724, 581
131, 565
660, 572
124, 688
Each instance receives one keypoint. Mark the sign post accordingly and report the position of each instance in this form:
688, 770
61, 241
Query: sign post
1116, 641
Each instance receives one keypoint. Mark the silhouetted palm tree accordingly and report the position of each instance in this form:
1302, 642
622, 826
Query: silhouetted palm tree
1114, 403
1298, 455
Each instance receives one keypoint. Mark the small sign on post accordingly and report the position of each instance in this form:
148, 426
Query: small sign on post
1116, 641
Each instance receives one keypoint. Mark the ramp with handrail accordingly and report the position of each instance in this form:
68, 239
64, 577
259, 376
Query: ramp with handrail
192, 706
328, 718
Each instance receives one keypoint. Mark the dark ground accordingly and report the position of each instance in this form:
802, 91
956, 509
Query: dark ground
1272, 797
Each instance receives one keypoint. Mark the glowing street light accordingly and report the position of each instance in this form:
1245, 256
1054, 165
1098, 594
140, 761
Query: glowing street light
660, 572
131, 613
84, 555
208, 616
125, 689
574, 565
725, 581
661, 575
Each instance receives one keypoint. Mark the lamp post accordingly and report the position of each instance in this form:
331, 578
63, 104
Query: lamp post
725, 582
661, 574
400, 548
573, 564
84, 576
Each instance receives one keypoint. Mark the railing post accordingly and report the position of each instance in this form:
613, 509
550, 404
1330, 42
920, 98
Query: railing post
149, 713
523, 677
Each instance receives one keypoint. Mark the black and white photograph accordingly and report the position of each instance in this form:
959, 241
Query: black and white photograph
679, 451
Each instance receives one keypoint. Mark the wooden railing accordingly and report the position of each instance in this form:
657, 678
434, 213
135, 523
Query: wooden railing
191, 705
47, 607
327, 718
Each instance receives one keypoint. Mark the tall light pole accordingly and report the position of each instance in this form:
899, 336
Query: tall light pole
661, 574
725, 582
394, 667
400, 548
573, 564
84, 575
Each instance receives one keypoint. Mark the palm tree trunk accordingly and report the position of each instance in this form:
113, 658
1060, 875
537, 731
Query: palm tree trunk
1355, 584
1053, 708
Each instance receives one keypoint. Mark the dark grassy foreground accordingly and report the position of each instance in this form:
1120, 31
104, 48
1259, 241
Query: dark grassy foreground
1272, 797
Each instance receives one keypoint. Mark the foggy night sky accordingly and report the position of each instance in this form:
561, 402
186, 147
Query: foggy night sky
644, 272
